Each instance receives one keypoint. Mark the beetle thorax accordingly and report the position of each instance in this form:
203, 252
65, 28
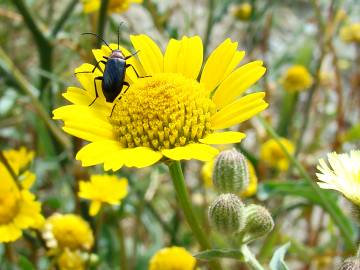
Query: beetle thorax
117, 54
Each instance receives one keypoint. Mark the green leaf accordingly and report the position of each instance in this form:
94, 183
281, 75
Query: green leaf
25, 264
277, 261
220, 253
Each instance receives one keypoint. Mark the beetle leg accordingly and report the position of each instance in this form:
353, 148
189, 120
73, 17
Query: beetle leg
131, 55
120, 95
93, 70
137, 74
99, 78
105, 57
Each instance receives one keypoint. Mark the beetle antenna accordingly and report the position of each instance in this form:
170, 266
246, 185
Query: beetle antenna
89, 33
119, 35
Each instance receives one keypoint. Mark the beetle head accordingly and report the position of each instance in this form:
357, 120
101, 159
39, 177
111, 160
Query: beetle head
117, 54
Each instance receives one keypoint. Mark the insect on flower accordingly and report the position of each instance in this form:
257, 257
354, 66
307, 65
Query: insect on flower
114, 72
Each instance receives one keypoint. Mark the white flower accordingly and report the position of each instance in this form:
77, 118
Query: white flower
343, 174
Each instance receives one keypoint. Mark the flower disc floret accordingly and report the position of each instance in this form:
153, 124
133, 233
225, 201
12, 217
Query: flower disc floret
162, 112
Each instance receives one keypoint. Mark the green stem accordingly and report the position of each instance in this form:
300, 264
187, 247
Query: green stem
287, 111
102, 20
8, 167
43, 43
8, 66
123, 257
66, 14
209, 27
185, 203
313, 185
358, 252
250, 259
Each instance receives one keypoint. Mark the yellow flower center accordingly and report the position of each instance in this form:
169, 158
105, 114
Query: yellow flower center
162, 112
9, 203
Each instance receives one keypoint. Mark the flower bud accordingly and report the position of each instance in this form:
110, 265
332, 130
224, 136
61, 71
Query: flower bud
258, 222
226, 214
352, 263
230, 172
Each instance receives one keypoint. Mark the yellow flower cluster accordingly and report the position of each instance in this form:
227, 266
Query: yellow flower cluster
296, 78
18, 208
115, 6
351, 33
272, 154
242, 11
103, 189
67, 231
172, 258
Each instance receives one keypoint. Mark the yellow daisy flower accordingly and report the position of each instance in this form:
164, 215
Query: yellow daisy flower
242, 11
103, 189
343, 174
173, 258
71, 260
207, 174
272, 154
169, 115
115, 6
67, 231
18, 208
296, 78
351, 33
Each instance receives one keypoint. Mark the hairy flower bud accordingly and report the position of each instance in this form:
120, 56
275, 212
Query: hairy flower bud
258, 222
226, 214
230, 172
352, 263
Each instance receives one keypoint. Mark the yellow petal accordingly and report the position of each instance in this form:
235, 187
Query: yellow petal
171, 56
237, 82
140, 157
191, 151
184, 56
94, 208
98, 152
87, 79
149, 54
220, 63
84, 114
223, 137
79, 96
114, 156
239, 111
28, 179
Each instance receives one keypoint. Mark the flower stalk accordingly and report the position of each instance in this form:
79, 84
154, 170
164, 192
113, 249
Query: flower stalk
250, 259
184, 200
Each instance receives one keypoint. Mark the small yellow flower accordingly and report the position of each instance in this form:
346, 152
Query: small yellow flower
173, 258
207, 175
272, 154
169, 115
115, 6
296, 78
350, 33
18, 208
103, 189
67, 231
242, 11
71, 260
343, 174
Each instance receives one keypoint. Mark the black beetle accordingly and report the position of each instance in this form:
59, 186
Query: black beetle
114, 72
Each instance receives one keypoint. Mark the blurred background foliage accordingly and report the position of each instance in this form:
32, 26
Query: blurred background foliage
40, 45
